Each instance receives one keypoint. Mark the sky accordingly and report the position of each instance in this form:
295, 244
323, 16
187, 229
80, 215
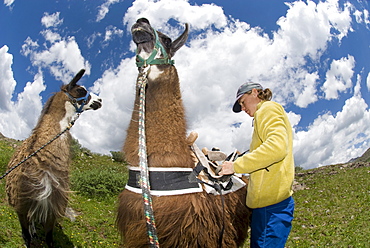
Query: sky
313, 55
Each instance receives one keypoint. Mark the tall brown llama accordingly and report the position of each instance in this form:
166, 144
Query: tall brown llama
38, 188
182, 220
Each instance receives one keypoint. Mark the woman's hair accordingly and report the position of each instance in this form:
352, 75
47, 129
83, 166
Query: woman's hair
265, 94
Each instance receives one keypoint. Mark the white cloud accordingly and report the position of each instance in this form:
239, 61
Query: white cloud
116, 87
312, 38
298, 43
110, 31
335, 138
214, 64
221, 54
91, 39
52, 20
340, 20
18, 117
308, 94
366, 16
368, 81
294, 119
63, 57
358, 16
8, 83
338, 78
50, 36
8, 2
104, 9
159, 12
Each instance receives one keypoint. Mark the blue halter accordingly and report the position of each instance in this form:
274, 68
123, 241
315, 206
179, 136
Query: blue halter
75, 100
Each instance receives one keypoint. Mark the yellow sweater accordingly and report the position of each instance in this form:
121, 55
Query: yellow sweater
272, 147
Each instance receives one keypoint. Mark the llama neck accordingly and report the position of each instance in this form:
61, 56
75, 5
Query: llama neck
52, 121
155, 73
70, 112
164, 123
56, 115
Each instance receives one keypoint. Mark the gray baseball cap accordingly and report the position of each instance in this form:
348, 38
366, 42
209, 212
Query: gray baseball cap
244, 88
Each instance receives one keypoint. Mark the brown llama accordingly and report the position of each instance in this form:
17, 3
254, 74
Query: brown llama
184, 219
38, 189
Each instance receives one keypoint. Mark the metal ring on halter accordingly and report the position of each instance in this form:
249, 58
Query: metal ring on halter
76, 100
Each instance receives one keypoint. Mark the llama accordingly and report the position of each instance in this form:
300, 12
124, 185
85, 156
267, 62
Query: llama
195, 219
38, 188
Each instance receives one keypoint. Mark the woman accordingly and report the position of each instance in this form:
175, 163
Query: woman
270, 164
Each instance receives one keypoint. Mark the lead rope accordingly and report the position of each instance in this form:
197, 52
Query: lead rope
143, 163
42, 147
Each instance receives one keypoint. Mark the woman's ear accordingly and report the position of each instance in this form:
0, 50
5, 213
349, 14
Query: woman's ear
254, 92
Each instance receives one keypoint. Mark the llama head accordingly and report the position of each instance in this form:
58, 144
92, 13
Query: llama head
79, 97
152, 44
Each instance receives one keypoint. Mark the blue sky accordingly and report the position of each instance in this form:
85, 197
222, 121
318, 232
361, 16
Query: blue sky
314, 55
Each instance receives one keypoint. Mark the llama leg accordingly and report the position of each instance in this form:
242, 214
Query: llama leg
49, 227
49, 239
25, 229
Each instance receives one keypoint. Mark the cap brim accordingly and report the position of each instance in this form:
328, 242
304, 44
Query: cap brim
237, 108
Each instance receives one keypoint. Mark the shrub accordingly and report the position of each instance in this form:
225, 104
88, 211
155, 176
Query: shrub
98, 183
75, 148
298, 169
6, 152
117, 156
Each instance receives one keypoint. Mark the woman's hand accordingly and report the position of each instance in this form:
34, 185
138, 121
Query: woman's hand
227, 168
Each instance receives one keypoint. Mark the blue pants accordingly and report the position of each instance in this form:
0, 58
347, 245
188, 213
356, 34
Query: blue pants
270, 226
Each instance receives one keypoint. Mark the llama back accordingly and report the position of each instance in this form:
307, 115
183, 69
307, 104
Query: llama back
39, 187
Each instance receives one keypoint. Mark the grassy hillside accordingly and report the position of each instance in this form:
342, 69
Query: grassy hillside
332, 204
365, 157
333, 208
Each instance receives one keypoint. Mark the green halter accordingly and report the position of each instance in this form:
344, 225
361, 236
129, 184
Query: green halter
151, 60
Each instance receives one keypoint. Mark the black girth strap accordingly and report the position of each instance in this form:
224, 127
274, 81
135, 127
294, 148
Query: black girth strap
163, 180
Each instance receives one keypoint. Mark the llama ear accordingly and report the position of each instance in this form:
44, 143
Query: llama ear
179, 42
76, 78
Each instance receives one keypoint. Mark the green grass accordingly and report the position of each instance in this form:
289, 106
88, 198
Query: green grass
96, 181
334, 209
331, 211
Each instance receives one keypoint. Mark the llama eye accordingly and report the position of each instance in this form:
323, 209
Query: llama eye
81, 91
167, 42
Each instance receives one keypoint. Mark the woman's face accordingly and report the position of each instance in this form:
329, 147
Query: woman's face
249, 102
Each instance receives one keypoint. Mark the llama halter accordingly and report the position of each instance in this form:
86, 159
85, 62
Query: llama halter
74, 100
152, 60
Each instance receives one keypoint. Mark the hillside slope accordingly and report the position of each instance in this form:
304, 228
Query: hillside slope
365, 157
332, 209
332, 204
